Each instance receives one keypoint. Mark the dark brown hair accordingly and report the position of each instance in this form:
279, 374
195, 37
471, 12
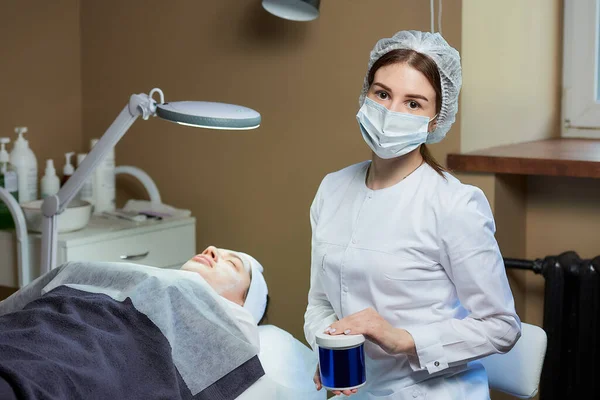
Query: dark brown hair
427, 67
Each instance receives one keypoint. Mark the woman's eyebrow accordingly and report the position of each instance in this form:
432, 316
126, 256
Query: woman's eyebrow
417, 96
383, 86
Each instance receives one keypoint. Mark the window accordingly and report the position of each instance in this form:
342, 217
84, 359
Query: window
581, 69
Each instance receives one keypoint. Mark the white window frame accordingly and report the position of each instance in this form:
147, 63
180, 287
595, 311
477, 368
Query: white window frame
580, 107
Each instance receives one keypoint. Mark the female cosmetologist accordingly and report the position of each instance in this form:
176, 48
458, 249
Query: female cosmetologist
403, 252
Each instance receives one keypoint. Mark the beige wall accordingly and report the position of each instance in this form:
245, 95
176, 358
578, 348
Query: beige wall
249, 191
40, 80
511, 71
573, 204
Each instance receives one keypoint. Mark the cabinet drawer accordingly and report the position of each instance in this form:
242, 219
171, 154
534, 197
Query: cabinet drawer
163, 248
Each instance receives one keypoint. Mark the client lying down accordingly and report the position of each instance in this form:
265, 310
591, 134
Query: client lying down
126, 331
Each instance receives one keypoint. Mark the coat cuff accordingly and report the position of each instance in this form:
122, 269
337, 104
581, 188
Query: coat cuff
430, 352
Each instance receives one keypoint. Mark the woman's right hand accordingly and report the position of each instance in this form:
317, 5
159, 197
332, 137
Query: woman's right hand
319, 385
317, 379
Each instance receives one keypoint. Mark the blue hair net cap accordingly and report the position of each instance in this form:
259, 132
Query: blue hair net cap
445, 57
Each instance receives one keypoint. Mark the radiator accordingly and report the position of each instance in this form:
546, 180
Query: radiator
572, 323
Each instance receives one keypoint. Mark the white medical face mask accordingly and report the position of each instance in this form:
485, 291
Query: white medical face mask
391, 134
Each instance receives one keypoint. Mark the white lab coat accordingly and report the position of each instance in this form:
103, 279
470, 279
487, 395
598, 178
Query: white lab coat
422, 253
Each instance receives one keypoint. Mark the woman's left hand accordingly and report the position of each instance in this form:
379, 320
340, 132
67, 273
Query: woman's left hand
368, 322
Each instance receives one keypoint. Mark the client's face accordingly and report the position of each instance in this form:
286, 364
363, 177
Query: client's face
223, 271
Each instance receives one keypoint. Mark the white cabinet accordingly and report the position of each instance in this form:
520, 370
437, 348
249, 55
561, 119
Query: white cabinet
166, 244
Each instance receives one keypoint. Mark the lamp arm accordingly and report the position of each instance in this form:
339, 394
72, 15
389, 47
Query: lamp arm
139, 104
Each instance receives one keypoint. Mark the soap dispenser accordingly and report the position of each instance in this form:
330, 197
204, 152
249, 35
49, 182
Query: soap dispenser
8, 181
24, 163
68, 169
50, 182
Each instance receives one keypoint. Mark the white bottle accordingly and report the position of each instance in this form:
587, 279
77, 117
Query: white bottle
104, 183
8, 182
24, 163
50, 182
10, 176
87, 190
68, 168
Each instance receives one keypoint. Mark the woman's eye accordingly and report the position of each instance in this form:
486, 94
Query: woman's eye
233, 264
413, 105
382, 95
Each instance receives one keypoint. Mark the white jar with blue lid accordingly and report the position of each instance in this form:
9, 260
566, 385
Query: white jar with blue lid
341, 361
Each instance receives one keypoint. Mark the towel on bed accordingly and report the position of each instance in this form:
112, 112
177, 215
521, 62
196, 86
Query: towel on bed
118, 330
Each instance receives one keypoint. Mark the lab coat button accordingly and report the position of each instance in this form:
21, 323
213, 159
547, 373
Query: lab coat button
353, 241
437, 363
415, 394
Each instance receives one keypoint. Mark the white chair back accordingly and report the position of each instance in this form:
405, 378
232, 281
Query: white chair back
518, 372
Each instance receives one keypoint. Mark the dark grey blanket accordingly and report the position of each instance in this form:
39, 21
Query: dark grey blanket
75, 342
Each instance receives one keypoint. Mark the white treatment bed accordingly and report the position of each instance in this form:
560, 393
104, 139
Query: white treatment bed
289, 368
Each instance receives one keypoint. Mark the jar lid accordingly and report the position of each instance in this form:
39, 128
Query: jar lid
339, 341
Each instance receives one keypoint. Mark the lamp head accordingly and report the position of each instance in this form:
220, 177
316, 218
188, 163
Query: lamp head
294, 10
205, 114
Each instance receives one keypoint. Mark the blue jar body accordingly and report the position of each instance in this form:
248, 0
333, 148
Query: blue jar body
342, 368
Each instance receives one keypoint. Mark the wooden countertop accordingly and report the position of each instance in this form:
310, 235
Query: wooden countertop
551, 157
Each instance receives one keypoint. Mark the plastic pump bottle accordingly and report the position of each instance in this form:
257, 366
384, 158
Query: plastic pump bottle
24, 163
50, 182
68, 169
8, 181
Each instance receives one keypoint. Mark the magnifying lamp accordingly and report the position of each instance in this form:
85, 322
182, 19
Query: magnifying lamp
294, 10
192, 113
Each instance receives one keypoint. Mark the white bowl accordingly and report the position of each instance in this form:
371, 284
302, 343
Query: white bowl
75, 217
